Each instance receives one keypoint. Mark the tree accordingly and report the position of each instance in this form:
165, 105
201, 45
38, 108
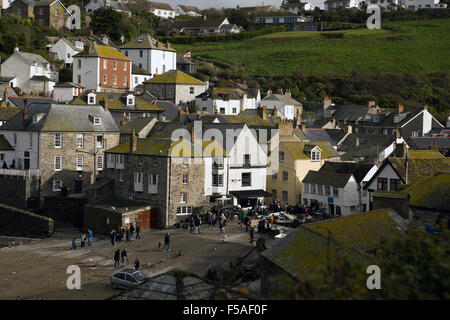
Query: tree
108, 21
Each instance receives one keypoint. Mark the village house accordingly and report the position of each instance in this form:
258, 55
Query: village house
7, 109
141, 127
227, 101
31, 72
4, 4
386, 4
138, 76
186, 65
119, 6
64, 50
161, 9
192, 11
257, 9
280, 17
284, 103
424, 4
295, 7
51, 13
334, 4
200, 26
175, 86
100, 67
66, 92
151, 55
65, 149
175, 177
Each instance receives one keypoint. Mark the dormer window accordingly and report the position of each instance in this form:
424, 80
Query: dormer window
97, 121
130, 100
315, 155
91, 98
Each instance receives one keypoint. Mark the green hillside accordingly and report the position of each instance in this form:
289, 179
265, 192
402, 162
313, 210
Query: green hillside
416, 47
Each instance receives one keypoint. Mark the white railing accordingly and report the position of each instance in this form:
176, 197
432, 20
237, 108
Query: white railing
20, 173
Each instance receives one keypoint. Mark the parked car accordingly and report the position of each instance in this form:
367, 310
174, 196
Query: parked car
127, 278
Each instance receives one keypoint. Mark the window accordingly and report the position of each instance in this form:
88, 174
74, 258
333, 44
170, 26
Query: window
274, 175
120, 176
183, 197
19, 11
246, 160
320, 189
15, 139
285, 176
114, 65
105, 64
97, 121
140, 65
2, 157
281, 156
352, 209
100, 163
191, 90
91, 99
57, 185
285, 196
79, 79
31, 140
185, 178
234, 111
124, 66
124, 81
382, 184
68, 56
140, 160
105, 78
126, 53
141, 53
394, 184
79, 63
274, 193
327, 190
217, 163
58, 163
100, 141
222, 111
185, 162
153, 183
246, 179
217, 180
335, 192
114, 79
184, 211
315, 156
80, 141
79, 163
58, 140
41, 11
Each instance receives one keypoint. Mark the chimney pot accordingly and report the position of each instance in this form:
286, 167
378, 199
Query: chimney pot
133, 142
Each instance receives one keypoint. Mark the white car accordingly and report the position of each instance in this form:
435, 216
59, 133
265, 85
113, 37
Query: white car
127, 278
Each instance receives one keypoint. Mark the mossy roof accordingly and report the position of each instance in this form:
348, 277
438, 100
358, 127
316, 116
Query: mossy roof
363, 231
424, 154
7, 113
418, 169
174, 77
432, 192
390, 195
169, 148
136, 124
299, 150
4, 144
336, 180
103, 51
146, 42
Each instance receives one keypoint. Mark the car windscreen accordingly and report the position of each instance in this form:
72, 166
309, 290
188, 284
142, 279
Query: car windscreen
140, 276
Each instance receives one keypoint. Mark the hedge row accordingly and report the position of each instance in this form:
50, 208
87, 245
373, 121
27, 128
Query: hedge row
221, 38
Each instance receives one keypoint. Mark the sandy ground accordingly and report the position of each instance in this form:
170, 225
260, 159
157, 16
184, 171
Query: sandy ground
37, 268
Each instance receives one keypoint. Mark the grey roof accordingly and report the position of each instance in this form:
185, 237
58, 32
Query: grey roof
137, 70
337, 180
146, 42
67, 85
350, 112
119, 6
160, 5
426, 142
21, 101
370, 145
63, 118
6, 79
137, 124
32, 58
318, 135
41, 78
358, 170
189, 8
285, 98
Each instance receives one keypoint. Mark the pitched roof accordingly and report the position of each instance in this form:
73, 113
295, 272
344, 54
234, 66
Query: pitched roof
159, 5
370, 146
103, 51
32, 58
197, 23
275, 14
174, 77
146, 42
358, 170
285, 98
431, 193
7, 113
301, 150
364, 232
4, 144
337, 180
315, 134
137, 70
426, 142
249, 120
189, 8
20, 101
136, 124
67, 85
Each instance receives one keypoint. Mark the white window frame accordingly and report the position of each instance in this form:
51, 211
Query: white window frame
80, 141
153, 180
58, 143
315, 156
57, 185
183, 197
99, 163
97, 121
185, 175
55, 162
105, 64
184, 211
79, 162
98, 146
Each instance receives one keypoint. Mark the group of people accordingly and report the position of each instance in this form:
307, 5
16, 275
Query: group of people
121, 258
117, 236
219, 217
83, 238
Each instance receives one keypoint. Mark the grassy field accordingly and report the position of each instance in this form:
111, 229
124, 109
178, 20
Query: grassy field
401, 47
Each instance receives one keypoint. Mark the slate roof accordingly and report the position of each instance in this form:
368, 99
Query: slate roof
6, 79
4, 144
250, 120
426, 142
119, 6
145, 42
20, 101
431, 193
7, 113
137, 70
314, 134
229, 93
358, 170
41, 78
174, 77
286, 99
136, 124
63, 118
350, 112
189, 8
159, 5
103, 51
31, 58
370, 145
197, 23
303, 253
337, 180
300, 150
363, 232
67, 85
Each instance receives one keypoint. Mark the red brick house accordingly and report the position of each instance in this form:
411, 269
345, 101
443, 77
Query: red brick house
102, 68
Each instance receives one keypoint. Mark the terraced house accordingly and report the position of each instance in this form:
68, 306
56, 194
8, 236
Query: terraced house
65, 149
102, 68
50, 13
176, 178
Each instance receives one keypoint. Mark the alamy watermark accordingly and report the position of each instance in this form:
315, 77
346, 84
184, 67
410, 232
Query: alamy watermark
374, 280
374, 20
74, 280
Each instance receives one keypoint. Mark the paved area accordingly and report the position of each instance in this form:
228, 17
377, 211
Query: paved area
37, 269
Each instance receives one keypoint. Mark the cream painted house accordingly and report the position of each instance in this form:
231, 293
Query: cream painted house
295, 160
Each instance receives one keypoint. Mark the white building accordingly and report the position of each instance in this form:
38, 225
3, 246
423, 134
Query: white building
334, 4
296, 7
94, 5
424, 4
31, 71
277, 17
161, 9
4, 4
283, 103
67, 91
192, 11
64, 50
151, 55
138, 76
228, 101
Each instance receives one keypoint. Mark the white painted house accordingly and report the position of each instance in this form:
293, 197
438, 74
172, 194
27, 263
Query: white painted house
31, 71
386, 4
182, 10
228, 101
138, 76
279, 17
119, 6
67, 91
296, 7
151, 55
64, 50
161, 9
334, 4
424, 4
288, 107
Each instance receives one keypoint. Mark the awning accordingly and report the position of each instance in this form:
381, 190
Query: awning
251, 193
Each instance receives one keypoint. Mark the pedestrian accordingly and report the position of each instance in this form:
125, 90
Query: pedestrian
242, 217
74, 244
123, 256
138, 231
118, 236
197, 222
117, 258
89, 238
191, 224
128, 234
131, 231
136, 264
159, 245
113, 238
83, 240
212, 218
167, 242
246, 222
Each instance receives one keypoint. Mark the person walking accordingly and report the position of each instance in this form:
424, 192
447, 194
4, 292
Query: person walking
138, 231
83, 240
136, 264
117, 258
166, 242
89, 238
246, 222
74, 244
123, 256
197, 222
113, 238
191, 224
127, 233
242, 217
131, 231
212, 218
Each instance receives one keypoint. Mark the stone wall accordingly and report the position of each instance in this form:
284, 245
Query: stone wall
64, 209
16, 190
18, 222
399, 205
161, 91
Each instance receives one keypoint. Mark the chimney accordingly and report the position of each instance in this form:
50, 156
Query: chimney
288, 93
434, 147
25, 114
372, 104
269, 92
349, 129
326, 102
264, 112
104, 103
425, 107
356, 141
133, 142
5, 98
400, 108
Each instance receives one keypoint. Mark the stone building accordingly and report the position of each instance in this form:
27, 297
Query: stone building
170, 176
51, 13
